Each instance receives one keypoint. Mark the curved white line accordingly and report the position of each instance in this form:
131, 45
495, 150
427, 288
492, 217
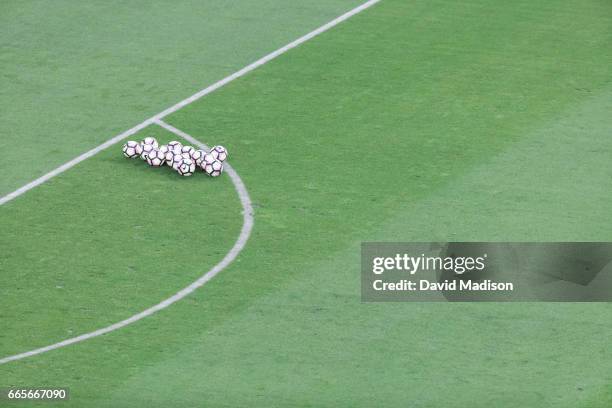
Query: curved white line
245, 232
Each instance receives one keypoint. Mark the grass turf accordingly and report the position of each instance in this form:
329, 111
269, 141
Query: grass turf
75, 74
421, 120
140, 240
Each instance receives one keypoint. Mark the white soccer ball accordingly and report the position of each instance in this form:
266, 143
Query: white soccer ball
206, 159
145, 150
163, 149
174, 145
219, 153
214, 169
187, 149
156, 158
186, 168
178, 159
150, 141
130, 149
197, 156
169, 158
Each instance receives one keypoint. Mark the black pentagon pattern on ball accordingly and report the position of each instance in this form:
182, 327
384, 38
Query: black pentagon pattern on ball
155, 158
186, 168
219, 153
197, 156
150, 141
169, 158
146, 149
130, 149
174, 145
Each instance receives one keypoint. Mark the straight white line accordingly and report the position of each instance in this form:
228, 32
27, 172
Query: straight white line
267, 58
245, 232
185, 102
74, 162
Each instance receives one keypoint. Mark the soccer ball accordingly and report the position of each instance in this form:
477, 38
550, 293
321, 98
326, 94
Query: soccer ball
214, 169
156, 158
188, 149
169, 158
150, 141
197, 156
163, 149
145, 150
130, 149
186, 168
219, 153
174, 145
178, 158
206, 159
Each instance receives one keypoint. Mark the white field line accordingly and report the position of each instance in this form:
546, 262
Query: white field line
245, 200
240, 188
245, 232
185, 102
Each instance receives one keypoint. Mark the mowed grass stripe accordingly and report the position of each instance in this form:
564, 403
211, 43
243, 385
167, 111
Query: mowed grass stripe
386, 139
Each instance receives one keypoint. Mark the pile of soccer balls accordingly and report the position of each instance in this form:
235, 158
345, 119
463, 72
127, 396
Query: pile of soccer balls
183, 159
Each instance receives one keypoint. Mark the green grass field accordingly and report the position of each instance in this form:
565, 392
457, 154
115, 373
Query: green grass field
413, 120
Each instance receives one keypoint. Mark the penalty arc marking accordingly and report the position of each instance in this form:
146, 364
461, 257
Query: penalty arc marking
245, 232
238, 184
